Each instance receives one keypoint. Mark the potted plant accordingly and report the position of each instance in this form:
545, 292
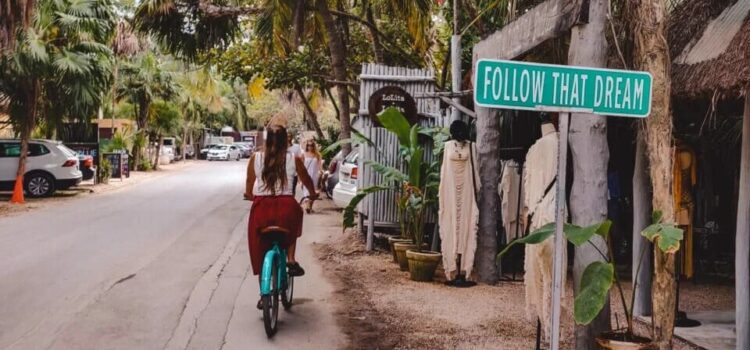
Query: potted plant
600, 276
105, 171
411, 186
422, 262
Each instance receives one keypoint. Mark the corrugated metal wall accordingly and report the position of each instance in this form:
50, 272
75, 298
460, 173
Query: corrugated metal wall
416, 82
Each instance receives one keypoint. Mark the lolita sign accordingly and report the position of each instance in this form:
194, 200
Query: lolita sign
392, 96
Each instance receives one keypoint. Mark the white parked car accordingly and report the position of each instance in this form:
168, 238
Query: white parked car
224, 152
50, 166
346, 189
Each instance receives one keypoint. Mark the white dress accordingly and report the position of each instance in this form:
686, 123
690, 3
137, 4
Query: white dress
458, 207
540, 170
511, 199
312, 165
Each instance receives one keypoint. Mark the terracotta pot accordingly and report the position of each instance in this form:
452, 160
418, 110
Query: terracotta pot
619, 341
422, 265
392, 240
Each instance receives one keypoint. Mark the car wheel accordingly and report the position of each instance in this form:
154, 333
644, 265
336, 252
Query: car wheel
238, 158
39, 185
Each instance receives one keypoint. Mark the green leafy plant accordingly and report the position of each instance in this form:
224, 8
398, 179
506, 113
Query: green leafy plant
105, 170
599, 276
416, 187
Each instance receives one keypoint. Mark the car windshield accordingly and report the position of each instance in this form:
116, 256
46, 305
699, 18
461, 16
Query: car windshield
222, 148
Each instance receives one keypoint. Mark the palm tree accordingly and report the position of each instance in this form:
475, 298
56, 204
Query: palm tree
59, 68
143, 81
14, 15
165, 119
190, 27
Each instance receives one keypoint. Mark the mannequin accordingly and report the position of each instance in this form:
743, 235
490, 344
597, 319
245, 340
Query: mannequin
540, 175
458, 207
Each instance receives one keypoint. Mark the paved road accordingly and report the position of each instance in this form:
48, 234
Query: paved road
159, 265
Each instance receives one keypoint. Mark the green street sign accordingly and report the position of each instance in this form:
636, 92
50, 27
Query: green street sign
548, 87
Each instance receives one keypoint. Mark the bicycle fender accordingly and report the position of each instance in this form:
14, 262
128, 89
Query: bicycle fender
265, 275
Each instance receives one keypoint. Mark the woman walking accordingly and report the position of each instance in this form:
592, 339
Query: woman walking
313, 163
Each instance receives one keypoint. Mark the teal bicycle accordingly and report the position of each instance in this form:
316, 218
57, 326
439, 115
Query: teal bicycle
275, 281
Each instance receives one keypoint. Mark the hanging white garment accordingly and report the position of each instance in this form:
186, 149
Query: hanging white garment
540, 170
458, 207
512, 199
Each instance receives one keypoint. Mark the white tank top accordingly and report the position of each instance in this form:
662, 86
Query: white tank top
259, 188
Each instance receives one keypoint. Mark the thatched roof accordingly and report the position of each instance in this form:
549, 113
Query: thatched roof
710, 47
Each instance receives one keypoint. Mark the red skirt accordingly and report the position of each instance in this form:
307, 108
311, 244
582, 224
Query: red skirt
282, 211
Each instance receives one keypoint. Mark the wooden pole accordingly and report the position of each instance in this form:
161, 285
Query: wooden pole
742, 245
456, 61
560, 241
641, 219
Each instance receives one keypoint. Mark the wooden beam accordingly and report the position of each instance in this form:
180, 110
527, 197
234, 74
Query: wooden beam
550, 19
458, 106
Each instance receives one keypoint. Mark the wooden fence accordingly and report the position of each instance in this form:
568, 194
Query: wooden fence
379, 210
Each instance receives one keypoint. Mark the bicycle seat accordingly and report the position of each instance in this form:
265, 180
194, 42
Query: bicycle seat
273, 229
274, 233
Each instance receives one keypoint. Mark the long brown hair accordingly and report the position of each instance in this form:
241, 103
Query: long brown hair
274, 160
314, 151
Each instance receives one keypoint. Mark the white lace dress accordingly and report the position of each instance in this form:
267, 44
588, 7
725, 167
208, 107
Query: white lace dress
458, 207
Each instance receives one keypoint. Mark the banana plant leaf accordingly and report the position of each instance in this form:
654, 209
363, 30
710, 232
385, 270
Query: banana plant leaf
595, 283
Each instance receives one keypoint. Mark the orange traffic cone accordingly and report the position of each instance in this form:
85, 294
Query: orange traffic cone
17, 197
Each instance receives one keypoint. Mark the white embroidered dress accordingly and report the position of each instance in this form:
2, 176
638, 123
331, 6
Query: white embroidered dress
458, 207
540, 170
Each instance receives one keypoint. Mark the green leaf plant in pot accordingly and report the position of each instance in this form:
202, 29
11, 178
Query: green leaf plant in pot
600, 276
413, 187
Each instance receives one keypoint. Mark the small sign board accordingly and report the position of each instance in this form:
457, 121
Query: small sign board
119, 163
392, 96
547, 87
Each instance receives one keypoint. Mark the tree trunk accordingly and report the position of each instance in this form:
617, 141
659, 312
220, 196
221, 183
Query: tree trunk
311, 115
377, 47
590, 151
141, 120
488, 155
158, 152
299, 23
652, 55
641, 219
742, 245
338, 65
29, 123
333, 102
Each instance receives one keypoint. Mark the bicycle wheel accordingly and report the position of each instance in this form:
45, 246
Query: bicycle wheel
288, 294
271, 303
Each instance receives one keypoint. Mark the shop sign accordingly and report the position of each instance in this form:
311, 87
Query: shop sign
392, 96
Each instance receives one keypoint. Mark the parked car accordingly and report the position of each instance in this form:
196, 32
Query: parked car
50, 166
224, 152
346, 188
189, 152
331, 175
245, 149
204, 151
86, 163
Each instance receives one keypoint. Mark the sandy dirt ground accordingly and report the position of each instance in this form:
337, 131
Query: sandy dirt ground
380, 308
383, 309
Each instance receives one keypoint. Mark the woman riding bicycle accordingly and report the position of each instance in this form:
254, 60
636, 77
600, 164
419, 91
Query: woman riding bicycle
269, 186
